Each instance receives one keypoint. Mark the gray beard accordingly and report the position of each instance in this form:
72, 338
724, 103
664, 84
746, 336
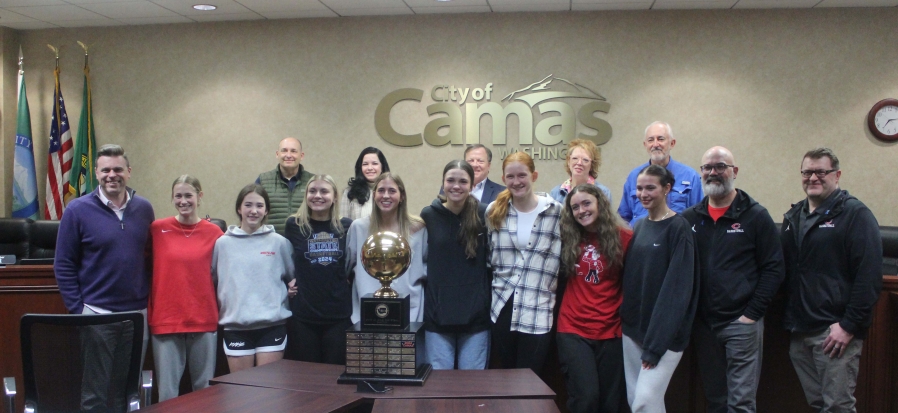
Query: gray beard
713, 190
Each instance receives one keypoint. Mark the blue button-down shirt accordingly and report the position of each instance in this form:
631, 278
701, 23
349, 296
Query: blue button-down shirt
686, 192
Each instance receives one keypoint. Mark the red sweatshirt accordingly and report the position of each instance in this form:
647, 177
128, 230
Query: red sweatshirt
182, 298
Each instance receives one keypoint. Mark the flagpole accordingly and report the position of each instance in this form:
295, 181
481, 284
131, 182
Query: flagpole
24, 187
59, 161
82, 180
21, 72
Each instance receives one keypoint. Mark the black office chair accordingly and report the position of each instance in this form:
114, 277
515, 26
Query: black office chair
220, 222
42, 240
57, 356
14, 234
889, 250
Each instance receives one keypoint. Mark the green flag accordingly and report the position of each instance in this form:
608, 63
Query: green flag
83, 180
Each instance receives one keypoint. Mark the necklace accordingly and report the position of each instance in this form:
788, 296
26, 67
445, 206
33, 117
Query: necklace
662, 218
186, 235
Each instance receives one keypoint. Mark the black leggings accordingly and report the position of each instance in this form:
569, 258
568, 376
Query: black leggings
518, 350
318, 343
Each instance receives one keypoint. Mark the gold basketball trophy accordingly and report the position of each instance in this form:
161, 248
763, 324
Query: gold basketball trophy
384, 347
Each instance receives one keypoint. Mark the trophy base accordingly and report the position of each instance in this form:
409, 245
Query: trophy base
392, 356
417, 380
384, 313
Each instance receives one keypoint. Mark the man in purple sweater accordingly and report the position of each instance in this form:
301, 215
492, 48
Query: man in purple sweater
101, 268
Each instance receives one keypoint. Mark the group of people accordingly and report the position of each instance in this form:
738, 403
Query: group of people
686, 257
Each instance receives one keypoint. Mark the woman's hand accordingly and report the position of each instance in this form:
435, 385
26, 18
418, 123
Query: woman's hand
647, 366
292, 289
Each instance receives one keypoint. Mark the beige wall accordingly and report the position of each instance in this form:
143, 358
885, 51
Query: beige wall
213, 99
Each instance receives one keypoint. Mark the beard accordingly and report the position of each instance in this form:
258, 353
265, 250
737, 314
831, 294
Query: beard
657, 156
716, 187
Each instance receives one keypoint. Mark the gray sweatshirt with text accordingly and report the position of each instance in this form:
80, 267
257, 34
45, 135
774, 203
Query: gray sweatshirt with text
251, 272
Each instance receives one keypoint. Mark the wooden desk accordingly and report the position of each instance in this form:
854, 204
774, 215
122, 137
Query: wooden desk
23, 289
465, 405
442, 384
227, 398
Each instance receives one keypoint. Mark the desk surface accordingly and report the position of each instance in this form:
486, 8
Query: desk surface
465, 405
442, 384
226, 398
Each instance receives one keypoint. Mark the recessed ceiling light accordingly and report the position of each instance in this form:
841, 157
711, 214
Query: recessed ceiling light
443, 0
204, 7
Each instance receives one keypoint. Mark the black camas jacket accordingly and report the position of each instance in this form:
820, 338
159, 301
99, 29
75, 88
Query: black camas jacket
836, 275
741, 260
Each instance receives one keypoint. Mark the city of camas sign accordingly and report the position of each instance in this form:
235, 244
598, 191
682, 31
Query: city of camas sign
540, 96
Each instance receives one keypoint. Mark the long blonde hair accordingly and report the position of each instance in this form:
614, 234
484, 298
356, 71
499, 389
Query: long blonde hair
499, 211
408, 224
302, 215
608, 232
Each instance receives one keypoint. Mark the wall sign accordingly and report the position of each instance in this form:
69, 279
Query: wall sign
550, 111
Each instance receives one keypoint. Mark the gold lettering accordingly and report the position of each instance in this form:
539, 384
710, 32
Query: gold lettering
452, 121
463, 93
475, 92
602, 127
565, 120
433, 94
499, 116
382, 117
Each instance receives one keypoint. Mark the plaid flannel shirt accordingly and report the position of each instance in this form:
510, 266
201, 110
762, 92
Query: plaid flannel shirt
529, 272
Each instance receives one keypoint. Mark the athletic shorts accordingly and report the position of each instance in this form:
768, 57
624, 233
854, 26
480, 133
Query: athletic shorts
250, 342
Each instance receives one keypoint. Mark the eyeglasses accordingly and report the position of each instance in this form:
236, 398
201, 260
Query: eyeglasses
719, 167
578, 160
821, 173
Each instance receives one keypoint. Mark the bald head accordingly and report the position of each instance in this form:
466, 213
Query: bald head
292, 142
718, 173
289, 156
718, 152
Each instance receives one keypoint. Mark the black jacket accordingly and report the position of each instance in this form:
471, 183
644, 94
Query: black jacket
836, 275
741, 260
458, 294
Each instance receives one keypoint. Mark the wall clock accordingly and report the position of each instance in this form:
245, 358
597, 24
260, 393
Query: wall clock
883, 120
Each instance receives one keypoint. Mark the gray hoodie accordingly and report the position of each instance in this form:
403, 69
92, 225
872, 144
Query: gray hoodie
250, 272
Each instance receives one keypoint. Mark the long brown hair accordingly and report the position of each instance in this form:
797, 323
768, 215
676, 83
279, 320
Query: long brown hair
408, 223
471, 225
608, 232
499, 211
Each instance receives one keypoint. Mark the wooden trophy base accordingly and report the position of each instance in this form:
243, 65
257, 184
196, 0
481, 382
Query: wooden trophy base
388, 356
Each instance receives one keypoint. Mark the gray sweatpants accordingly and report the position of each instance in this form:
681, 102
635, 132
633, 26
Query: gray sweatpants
171, 352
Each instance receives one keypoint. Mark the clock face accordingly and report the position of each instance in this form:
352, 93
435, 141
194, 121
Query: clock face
886, 120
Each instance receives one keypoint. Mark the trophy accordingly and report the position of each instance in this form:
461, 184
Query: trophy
383, 346
386, 256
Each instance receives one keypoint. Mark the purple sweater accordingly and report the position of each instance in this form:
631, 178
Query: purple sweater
101, 260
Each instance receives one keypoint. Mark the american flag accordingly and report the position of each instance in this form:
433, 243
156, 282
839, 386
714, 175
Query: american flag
59, 160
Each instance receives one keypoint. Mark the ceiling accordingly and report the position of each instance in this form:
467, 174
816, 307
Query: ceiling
45, 14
